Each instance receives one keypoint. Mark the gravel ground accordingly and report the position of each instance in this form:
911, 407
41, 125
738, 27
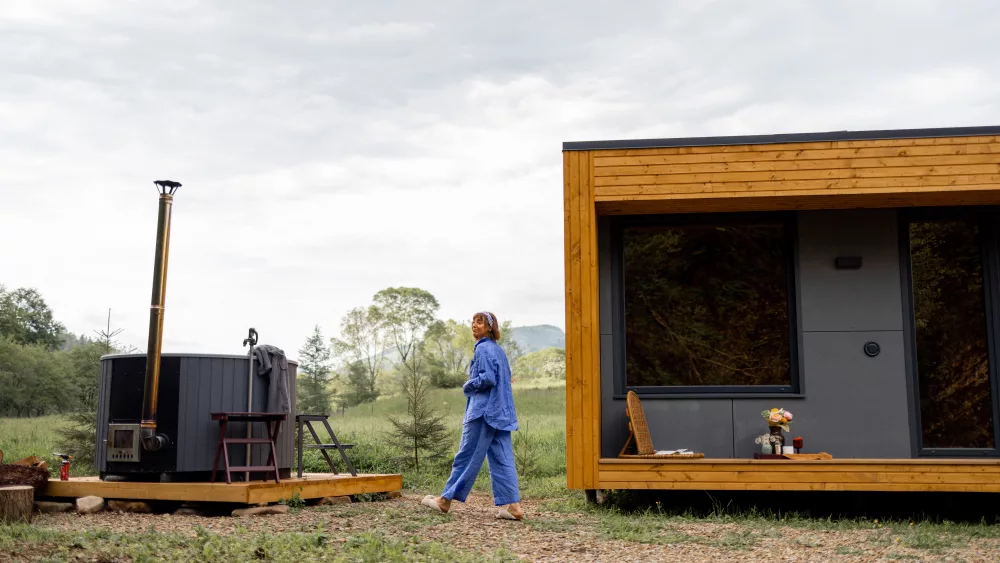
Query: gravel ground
570, 535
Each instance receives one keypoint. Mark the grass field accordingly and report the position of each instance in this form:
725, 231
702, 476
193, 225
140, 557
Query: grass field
23, 437
560, 526
540, 443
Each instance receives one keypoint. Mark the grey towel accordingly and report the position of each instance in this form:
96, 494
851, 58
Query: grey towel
271, 363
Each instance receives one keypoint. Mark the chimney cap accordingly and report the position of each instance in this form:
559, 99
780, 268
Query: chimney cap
167, 186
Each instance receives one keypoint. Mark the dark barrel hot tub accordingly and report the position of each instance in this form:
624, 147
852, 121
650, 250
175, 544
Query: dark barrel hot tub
191, 386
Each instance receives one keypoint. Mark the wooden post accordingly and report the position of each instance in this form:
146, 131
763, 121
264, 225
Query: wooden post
16, 504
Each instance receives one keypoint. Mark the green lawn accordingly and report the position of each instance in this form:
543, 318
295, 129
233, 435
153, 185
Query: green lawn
540, 444
23, 437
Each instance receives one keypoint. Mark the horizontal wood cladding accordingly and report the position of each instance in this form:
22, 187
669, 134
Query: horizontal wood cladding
790, 200
915, 168
829, 475
582, 350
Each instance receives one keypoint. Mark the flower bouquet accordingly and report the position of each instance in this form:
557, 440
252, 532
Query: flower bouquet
777, 417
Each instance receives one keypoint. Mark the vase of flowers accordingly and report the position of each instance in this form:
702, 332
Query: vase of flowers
777, 420
764, 441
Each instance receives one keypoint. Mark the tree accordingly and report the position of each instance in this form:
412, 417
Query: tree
33, 380
421, 429
108, 334
363, 342
358, 386
314, 375
78, 437
507, 342
407, 312
25, 318
448, 349
548, 363
84, 360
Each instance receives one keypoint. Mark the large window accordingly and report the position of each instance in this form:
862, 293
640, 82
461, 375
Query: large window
706, 304
952, 260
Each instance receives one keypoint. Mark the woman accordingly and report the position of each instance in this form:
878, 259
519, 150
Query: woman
489, 419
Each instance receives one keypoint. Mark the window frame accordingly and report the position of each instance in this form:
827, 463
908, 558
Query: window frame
988, 218
618, 225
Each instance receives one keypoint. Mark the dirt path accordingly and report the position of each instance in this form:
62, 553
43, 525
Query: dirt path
567, 535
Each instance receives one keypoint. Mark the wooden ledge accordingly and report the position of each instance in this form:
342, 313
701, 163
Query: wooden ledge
939, 475
782, 462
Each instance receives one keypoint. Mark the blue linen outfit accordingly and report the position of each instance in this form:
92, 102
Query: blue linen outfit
489, 419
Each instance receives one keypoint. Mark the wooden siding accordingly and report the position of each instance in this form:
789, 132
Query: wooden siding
583, 418
816, 175
955, 475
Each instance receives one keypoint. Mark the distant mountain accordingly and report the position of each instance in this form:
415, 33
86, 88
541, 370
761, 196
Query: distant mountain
538, 337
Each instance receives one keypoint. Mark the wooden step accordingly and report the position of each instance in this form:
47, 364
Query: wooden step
328, 446
255, 468
248, 441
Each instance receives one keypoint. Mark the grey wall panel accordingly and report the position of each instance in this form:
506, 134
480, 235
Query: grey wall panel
703, 425
856, 406
849, 300
604, 273
214, 384
614, 425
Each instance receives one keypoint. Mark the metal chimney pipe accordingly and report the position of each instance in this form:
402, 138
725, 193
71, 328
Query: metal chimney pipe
151, 440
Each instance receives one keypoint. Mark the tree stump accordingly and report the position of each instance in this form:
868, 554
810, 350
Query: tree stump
16, 504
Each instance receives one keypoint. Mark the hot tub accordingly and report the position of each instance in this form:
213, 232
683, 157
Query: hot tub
191, 386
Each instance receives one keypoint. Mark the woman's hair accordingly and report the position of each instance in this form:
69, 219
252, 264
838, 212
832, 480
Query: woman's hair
490, 320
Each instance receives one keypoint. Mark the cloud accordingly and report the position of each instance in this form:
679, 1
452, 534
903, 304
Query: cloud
331, 149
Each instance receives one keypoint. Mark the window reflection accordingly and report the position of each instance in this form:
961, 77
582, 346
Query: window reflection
956, 408
707, 305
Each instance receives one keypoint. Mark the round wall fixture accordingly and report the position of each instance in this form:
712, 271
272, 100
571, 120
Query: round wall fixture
872, 349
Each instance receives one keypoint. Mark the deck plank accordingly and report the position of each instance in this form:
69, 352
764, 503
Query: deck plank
311, 485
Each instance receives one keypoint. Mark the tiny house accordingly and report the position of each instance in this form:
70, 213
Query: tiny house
851, 277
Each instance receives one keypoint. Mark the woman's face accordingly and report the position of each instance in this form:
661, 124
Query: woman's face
479, 328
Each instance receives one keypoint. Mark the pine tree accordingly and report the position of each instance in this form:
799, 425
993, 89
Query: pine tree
421, 429
313, 394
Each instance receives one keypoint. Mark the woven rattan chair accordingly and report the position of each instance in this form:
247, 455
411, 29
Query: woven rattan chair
638, 431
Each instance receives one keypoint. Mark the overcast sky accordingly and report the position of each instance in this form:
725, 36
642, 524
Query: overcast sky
332, 149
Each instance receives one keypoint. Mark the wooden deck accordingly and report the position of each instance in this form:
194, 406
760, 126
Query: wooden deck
925, 475
311, 485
